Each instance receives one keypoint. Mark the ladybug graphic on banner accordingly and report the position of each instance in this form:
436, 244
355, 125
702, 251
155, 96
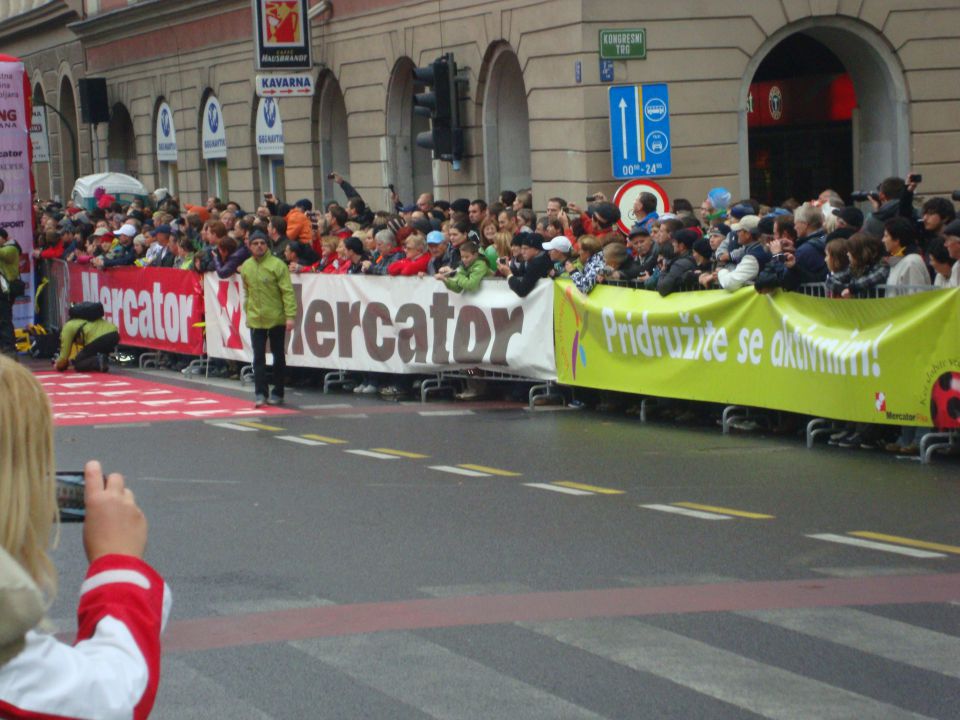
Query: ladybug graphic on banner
284, 25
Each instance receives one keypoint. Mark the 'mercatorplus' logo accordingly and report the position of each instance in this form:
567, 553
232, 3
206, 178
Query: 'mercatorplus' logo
880, 401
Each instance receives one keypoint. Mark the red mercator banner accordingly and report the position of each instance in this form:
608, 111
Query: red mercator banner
156, 308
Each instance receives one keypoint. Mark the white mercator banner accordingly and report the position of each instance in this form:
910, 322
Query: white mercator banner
396, 325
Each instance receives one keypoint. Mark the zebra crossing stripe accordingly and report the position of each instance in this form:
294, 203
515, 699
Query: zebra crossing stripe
372, 454
743, 682
234, 426
891, 639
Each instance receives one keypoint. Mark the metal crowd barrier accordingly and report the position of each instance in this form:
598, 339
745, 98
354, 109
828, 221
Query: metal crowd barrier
53, 294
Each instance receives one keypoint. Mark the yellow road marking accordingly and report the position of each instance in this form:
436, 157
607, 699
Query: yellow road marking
258, 426
590, 488
490, 470
401, 453
724, 511
323, 438
907, 541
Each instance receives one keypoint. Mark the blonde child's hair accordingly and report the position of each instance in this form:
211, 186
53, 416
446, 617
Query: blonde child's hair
27, 486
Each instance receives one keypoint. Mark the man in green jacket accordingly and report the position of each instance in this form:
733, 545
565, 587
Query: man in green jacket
9, 271
271, 308
97, 338
468, 276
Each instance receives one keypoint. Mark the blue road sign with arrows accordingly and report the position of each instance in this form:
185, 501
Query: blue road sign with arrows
640, 131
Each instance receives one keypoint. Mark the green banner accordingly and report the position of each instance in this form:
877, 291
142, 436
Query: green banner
889, 361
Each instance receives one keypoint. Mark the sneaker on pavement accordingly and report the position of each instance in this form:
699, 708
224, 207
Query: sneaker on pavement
837, 437
895, 448
259, 401
275, 399
359, 389
369, 389
389, 391
852, 440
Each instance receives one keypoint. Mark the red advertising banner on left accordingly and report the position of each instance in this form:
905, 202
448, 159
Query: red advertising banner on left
157, 308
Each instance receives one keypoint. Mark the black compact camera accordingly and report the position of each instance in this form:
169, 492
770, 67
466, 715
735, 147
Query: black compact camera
915, 178
864, 196
70, 496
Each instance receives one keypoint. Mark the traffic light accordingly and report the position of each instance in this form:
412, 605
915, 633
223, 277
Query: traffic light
440, 103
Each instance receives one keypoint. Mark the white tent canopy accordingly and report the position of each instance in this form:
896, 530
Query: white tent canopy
123, 187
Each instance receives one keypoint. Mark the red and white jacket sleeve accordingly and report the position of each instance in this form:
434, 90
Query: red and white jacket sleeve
113, 670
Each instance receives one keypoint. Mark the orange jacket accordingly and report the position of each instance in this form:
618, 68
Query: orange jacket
298, 226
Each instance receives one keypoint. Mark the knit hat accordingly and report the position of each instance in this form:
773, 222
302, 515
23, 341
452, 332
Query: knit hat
702, 248
531, 240
606, 212
686, 238
851, 216
304, 204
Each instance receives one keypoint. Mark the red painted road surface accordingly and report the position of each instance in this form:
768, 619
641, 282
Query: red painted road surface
95, 399
330, 621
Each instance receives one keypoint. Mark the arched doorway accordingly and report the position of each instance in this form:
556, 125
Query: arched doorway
506, 125
69, 152
331, 140
411, 167
121, 142
824, 106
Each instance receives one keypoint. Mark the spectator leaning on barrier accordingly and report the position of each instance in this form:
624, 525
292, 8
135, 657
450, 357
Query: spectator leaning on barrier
754, 259
122, 254
591, 264
416, 258
439, 249
470, 274
618, 265
675, 271
907, 267
536, 265
559, 249
271, 308
941, 262
867, 269
385, 255
645, 250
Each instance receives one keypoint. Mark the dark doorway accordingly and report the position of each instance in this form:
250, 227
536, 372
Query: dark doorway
799, 114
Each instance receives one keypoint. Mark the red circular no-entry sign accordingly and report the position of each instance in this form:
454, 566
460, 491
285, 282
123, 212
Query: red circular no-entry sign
627, 194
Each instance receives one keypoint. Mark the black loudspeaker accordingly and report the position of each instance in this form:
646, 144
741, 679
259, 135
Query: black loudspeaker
93, 100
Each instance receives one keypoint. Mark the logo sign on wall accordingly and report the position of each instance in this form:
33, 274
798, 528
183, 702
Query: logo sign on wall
214, 133
38, 134
166, 135
269, 128
282, 33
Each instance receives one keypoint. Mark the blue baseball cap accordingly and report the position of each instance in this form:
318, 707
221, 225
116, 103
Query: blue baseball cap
435, 238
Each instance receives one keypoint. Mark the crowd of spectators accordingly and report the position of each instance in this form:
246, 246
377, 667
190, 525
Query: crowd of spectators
896, 248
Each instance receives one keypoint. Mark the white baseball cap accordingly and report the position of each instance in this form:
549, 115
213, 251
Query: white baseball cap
128, 230
560, 242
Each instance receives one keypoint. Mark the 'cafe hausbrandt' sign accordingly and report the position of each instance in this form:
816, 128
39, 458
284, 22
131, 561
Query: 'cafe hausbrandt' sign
281, 30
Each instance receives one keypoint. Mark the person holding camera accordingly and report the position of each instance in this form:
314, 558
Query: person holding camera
537, 264
592, 264
113, 669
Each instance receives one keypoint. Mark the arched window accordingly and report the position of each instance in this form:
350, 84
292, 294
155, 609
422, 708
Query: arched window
121, 142
332, 149
506, 125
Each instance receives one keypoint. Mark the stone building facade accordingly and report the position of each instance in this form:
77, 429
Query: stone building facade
537, 111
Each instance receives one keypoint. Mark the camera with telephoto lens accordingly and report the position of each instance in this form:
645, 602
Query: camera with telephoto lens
956, 196
864, 196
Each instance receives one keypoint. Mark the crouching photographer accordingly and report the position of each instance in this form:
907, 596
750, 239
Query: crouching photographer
95, 336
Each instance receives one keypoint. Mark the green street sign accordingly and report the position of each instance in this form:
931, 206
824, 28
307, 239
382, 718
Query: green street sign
623, 44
